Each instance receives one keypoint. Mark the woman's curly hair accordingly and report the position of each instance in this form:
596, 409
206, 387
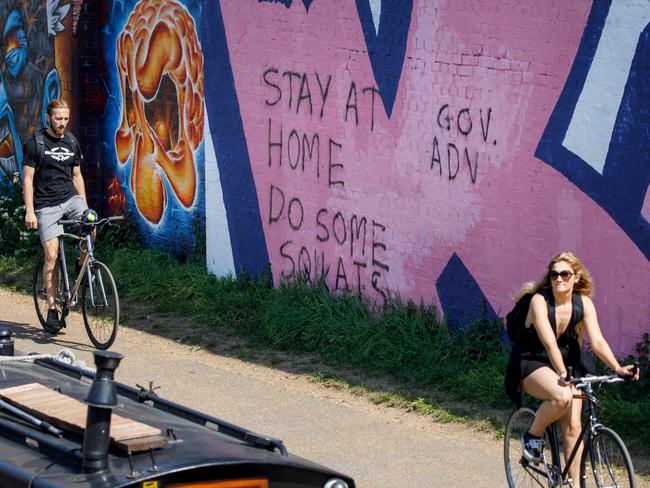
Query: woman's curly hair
584, 285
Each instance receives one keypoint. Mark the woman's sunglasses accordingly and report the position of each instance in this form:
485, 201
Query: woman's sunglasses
565, 275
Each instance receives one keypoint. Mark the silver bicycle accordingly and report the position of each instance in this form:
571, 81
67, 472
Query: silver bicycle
93, 286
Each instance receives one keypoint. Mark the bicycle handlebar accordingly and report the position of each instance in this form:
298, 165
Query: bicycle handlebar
591, 379
92, 224
582, 382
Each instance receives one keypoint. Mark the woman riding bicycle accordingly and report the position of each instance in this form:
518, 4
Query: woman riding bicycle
560, 310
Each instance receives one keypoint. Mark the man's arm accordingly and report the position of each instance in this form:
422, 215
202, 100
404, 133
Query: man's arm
78, 182
28, 197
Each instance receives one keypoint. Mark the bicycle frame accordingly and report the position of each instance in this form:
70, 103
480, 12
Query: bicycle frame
87, 257
91, 288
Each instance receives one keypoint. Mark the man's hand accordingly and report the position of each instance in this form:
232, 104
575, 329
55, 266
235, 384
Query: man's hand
30, 220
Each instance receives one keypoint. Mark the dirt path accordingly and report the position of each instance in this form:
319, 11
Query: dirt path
377, 445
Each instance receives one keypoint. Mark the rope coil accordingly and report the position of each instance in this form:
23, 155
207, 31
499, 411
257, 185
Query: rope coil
64, 356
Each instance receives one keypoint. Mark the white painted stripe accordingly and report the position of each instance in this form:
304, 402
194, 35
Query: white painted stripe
645, 210
375, 7
217, 235
592, 124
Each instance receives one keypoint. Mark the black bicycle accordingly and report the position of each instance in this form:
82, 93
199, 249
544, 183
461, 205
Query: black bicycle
94, 286
605, 461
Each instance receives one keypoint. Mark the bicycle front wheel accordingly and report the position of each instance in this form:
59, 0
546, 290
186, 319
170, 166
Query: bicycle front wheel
607, 464
100, 306
521, 473
40, 296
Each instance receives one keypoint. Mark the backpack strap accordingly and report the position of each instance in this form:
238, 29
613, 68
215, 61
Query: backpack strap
550, 303
72, 140
39, 145
578, 308
577, 316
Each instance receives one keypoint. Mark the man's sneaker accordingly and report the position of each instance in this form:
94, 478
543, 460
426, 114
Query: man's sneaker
533, 447
52, 323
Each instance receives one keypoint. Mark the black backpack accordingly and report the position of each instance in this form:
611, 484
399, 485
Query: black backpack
516, 318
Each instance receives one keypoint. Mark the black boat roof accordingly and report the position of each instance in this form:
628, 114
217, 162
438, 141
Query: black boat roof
198, 447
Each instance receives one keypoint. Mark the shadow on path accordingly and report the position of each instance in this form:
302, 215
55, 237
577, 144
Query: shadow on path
21, 330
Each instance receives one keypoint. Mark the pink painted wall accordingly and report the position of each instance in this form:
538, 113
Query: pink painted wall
502, 215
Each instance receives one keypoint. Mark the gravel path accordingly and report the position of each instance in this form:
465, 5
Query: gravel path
379, 446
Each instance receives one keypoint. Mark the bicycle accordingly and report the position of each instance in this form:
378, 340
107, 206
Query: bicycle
94, 285
605, 461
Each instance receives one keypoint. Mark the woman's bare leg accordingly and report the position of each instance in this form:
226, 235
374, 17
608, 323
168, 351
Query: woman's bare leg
570, 425
544, 384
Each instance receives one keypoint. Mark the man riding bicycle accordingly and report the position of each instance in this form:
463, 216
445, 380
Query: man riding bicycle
53, 189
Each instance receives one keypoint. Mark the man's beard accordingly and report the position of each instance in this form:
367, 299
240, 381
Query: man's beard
58, 132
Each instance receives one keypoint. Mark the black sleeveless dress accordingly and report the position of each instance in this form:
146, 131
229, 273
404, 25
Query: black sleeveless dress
529, 354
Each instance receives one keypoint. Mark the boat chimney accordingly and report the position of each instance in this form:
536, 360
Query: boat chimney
101, 400
6, 342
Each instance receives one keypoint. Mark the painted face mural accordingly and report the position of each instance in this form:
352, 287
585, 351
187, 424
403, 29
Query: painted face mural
27, 82
160, 68
10, 151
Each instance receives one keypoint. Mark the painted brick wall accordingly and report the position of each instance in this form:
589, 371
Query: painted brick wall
440, 150
79, 62
435, 149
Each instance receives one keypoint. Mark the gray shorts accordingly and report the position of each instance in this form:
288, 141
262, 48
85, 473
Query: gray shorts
48, 217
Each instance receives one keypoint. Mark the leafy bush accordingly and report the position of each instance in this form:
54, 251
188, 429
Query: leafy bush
15, 239
626, 405
120, 235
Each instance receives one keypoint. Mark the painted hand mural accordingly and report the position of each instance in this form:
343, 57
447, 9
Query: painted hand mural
160, 68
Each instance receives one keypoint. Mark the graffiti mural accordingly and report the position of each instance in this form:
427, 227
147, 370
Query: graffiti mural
154, 120
386, 147
28, 77
408, 148
10, 148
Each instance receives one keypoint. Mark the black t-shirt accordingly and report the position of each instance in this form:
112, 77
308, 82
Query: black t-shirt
53, 176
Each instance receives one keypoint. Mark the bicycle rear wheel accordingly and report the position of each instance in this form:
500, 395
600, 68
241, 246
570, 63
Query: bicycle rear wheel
521, 473
100, 306
40, 296
607, 464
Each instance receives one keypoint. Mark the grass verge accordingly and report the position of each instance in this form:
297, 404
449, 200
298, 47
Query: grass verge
450, 375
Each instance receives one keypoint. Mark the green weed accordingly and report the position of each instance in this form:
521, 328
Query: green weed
15, 239
403, 341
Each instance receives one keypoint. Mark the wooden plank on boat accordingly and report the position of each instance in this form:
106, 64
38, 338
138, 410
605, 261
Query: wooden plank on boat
69, 414
143, 443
